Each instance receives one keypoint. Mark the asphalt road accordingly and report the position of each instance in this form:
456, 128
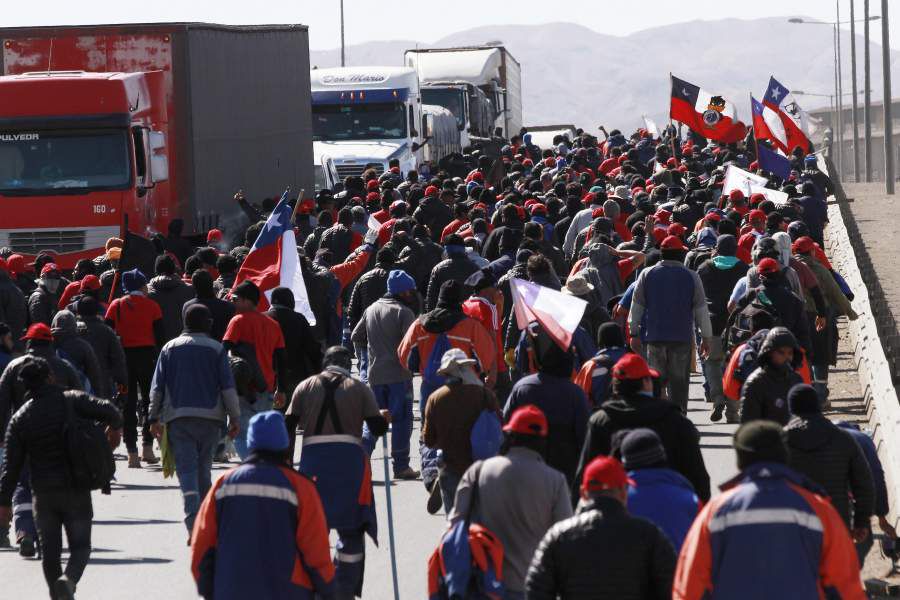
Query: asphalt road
140, 541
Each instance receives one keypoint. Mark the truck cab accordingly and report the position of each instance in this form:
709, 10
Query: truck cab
325, 174
362, 117
84, 149
475, 113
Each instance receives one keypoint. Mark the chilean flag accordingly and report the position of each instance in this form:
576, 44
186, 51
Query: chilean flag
767, 124
793, 118
273, 261
557, 313
713, 117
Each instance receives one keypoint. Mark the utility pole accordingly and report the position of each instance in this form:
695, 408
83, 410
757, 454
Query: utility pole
343, 56
888, 123
867, 88
853, 77
840, 84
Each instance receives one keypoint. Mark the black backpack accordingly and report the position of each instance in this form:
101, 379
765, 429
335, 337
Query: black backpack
738, 329
91, 464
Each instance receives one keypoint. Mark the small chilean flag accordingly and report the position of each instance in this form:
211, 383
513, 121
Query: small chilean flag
711, 116
767, 124
273, 261
557, 313
793, 118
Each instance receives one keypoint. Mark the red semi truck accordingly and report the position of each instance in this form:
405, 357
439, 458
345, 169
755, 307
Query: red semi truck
105, 125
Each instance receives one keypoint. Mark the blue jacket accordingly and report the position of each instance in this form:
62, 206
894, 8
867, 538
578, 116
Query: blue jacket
770, 534
193, 379
671, 299
261, 533
882, 505
666, 498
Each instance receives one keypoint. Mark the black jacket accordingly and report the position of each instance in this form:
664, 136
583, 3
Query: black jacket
831, 457
369, 288
457, 267
35, 435
764, 394
303, 353
718, 285
70, 346
339, 240
419, 258
221, 311
12, 392
108, 349
788, 306
42, 304
13, 309
170, 293
433, 214
602, 553
679, 436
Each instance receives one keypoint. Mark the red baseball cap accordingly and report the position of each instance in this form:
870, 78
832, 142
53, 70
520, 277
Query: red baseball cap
767, 266
528, 420
713, 217
373, 196
431, 190
803, 245
38, 331
49, 268
756, 198
604, 473
90, 282
597, 212
632, 366
672, 243
372, 184
676, 229
735, 195
478, 176
538, 209
663, 215
671, 163
214, 235
589, 198
756, 215
308, 206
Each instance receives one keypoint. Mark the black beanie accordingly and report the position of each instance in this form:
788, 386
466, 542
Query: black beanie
247, 290
34, 372
760, 441
197, 319
803, 400
87, 306
642, 448
610, 335
726, 245
283, 296
450, 295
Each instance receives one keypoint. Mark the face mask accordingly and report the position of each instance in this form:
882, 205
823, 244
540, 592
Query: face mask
51, 285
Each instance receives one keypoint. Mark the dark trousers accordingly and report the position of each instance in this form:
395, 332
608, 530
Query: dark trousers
140, 362
72, 510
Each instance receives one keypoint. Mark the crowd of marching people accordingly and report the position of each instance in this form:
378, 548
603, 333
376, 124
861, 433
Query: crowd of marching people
565, 470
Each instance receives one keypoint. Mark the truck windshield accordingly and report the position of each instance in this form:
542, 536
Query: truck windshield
46, 162
375, 121
449, 98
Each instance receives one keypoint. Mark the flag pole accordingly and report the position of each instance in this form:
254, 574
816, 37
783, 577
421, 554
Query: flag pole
297, 205
753, 127
390, 515
671, 127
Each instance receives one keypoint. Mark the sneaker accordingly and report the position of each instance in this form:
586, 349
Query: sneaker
717, 411
134, 461
63, 589
221, 457
407, 474
148, 456
4, 539
435, 501
26, 547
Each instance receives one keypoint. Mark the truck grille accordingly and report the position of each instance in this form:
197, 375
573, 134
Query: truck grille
32, 242
355, 170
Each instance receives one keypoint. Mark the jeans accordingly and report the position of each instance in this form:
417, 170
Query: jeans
72, 510
349, 563
23, 507
673, 361
140, 362
193, 441
713, 369
362, 362
449, 482
248, 411
397, 398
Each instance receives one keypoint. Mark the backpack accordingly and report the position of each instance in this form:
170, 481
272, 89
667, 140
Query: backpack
91, 463
430, 370
468, 563
738, 329
487, 433
601, 375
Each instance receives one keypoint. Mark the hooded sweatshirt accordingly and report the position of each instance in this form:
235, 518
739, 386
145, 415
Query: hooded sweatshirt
72, 347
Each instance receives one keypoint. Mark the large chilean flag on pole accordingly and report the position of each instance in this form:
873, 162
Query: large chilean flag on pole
793, 118
557, 313
711, 116
273, 261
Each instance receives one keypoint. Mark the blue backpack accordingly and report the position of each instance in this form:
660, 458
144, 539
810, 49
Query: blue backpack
430, 373
487, 433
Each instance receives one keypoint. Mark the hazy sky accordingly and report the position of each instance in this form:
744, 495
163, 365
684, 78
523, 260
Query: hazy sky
369, 20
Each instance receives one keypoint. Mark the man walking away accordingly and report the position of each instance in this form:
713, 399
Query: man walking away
106, 346
659, 494
221, 310
192, 391
262, 504
764, 393
303, 354
771, 530
670, 303
331, 408
381, 330
138, 321
35, 438
518, 519
603, 552
830, 456
170, 292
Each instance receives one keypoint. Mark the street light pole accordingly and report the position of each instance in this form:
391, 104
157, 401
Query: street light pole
838, 92
343, 56
867, 99
888, 123
853, 77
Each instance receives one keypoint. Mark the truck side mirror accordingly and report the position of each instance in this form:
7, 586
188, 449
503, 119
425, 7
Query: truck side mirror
416, 145
159, 162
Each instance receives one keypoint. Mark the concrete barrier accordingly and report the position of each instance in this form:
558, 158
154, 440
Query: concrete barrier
874, 370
